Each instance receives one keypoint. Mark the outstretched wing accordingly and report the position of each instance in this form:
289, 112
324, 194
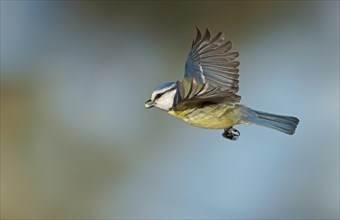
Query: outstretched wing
198, 94
211, 61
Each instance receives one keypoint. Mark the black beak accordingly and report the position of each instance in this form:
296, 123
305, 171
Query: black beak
149, 104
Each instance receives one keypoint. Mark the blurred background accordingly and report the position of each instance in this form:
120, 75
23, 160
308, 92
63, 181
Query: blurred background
76, 141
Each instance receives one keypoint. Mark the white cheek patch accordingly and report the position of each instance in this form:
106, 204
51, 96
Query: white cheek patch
166, 101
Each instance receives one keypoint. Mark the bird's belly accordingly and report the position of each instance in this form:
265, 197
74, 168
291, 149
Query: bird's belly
213, 116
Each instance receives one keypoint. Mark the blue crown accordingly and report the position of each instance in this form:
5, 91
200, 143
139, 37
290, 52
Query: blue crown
164, 85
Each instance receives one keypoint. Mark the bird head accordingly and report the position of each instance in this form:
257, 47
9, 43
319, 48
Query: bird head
163, 97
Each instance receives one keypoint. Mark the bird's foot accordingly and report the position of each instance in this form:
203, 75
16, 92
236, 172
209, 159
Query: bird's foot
231, 134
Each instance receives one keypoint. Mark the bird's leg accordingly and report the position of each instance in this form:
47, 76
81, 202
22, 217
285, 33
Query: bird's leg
231, 133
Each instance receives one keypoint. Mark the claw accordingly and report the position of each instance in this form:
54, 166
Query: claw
231, 134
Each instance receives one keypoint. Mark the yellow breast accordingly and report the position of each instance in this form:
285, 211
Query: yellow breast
216, 116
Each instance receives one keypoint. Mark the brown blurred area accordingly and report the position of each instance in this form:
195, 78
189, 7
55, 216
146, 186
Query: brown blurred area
36, 178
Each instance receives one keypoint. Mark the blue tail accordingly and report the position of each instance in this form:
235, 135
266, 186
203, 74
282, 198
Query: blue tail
285, 124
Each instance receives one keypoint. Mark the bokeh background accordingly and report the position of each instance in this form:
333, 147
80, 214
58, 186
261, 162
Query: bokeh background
76, 141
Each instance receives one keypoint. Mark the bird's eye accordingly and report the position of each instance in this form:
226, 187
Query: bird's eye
158, 96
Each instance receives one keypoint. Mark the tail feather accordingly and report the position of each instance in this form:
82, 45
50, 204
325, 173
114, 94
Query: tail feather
285, 124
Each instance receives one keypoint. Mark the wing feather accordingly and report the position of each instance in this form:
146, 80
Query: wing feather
199, 94
211, 61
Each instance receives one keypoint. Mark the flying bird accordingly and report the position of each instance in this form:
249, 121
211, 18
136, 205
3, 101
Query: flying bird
207, 96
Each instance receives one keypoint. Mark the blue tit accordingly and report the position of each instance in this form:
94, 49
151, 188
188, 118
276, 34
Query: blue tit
207, 98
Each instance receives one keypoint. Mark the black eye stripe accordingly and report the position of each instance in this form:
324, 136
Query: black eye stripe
158, 96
